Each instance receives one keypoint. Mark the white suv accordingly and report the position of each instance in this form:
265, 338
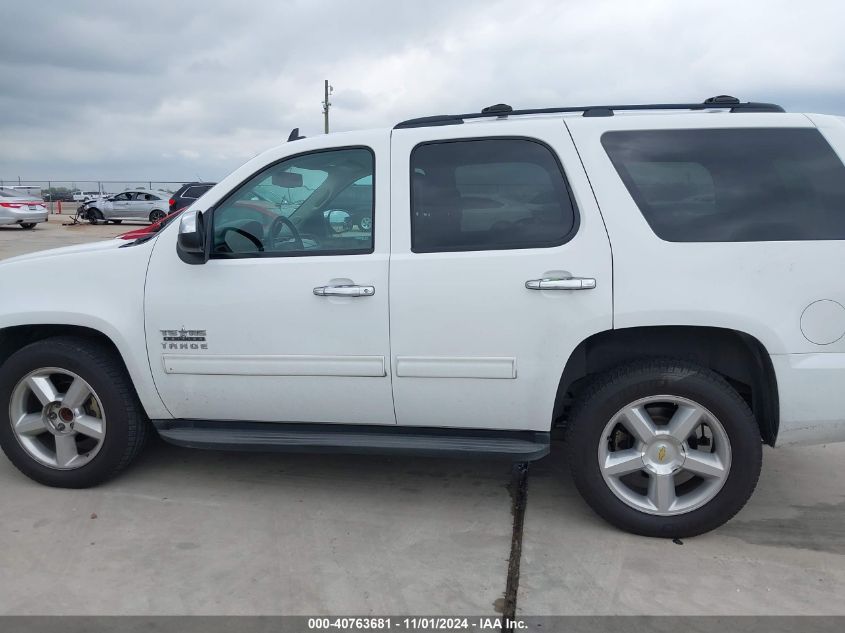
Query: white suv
657, 281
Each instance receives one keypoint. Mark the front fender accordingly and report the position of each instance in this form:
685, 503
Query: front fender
100, 288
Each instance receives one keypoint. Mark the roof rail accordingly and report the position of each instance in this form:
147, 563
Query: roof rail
502, 110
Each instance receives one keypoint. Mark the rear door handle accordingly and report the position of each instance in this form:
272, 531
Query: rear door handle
345, 291
572, 283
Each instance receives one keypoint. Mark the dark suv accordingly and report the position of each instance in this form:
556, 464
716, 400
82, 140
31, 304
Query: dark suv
187, 193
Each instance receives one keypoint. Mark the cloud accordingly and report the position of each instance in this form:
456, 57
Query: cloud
164, 90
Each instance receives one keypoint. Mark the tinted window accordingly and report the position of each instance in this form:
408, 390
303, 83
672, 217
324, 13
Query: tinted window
308, 204
733, 185
488, 194
195, 192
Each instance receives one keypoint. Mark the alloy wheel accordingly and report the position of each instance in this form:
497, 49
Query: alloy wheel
664, 455
57, 418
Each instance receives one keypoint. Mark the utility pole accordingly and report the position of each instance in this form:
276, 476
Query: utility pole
327, 90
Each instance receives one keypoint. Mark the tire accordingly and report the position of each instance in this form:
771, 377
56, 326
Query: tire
661, 384
28, 225
125, 427
156, 215
95, 216
117, 221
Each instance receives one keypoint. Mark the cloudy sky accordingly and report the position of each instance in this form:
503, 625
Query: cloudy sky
178, 89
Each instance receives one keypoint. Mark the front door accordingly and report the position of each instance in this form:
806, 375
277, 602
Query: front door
501, 266
120, 206
288, 321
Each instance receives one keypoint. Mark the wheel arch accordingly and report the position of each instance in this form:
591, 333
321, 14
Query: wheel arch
16, 337
739, 357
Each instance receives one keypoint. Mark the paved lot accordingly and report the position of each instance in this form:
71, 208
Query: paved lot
210, 533
52, 234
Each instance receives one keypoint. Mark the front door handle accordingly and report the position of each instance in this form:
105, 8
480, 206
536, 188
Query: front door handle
572, 283
345, 291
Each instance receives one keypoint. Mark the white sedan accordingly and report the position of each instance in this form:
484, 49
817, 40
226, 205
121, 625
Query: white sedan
22, 209
134, 204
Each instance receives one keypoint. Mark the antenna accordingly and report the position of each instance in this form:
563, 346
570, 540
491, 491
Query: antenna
294, 135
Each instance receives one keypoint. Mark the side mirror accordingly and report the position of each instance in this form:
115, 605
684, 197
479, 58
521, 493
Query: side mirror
191, 242
338, 220
287, 179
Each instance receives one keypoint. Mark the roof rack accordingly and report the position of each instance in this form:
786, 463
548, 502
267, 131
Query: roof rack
502, 110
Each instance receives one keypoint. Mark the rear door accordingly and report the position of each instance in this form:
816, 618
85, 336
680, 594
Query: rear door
500, 267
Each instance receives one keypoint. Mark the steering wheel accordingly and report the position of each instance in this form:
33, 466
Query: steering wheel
276, 228
242, 233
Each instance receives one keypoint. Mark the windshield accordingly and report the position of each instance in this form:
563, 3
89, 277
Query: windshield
288, 199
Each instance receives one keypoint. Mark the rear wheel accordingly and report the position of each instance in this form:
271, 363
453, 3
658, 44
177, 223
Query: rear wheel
117, 221
28, 225
70, 414
156, 215
664, 448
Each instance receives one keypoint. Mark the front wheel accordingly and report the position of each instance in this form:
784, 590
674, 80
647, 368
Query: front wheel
664, 448
71, 418
95, 216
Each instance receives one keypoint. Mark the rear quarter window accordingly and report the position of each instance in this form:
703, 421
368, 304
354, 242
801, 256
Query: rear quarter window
195, 192
733, 185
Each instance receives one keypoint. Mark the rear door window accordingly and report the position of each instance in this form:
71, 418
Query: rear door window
733, 185
488, 194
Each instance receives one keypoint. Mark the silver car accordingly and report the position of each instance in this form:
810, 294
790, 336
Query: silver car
133, 204
17, 207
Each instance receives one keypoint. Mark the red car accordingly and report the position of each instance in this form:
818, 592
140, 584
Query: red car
150, 228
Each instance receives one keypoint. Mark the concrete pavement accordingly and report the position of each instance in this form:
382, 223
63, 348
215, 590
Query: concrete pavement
783, 554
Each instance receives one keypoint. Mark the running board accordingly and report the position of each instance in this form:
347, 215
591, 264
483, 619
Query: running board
517, 446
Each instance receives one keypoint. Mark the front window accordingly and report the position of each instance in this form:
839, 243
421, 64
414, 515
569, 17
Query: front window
319, 203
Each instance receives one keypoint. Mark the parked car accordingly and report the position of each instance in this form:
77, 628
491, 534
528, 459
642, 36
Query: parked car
25, 210
133, 204
188, 193
663, 288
